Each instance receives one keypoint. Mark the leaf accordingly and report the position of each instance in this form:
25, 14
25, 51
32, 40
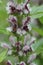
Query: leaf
38, 46
4, 31
3, 15
38, 30
41, 20
35, 28
3, 55
18, 1
37, 61
36, 12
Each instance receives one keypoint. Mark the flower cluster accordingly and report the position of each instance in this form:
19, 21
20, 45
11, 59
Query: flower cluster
20, 49
16, 18
20, 26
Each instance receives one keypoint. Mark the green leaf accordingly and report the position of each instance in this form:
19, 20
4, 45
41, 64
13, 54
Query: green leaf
36, 12
38, 46
37, 61
3, 15
38, 30
3, 55
35, 28
41, 20
4, 31
18, 1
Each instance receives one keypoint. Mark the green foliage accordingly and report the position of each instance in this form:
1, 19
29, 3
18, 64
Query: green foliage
36, 11
3, 55
38, 30
41, 20
3, 18
38, 46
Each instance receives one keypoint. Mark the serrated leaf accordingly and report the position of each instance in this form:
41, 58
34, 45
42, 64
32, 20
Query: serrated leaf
38, 46
36, 12
3, 55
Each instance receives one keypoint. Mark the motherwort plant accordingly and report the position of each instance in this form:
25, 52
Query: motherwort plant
20, 29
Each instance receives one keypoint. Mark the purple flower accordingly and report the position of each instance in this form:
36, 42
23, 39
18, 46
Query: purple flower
19, 8
15, 27
22, 63
5, 45
12, 19
26, 48
17, 45
25, 27
33, 63
21, 32
26, 10
26, 20
9, 62
10, 7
